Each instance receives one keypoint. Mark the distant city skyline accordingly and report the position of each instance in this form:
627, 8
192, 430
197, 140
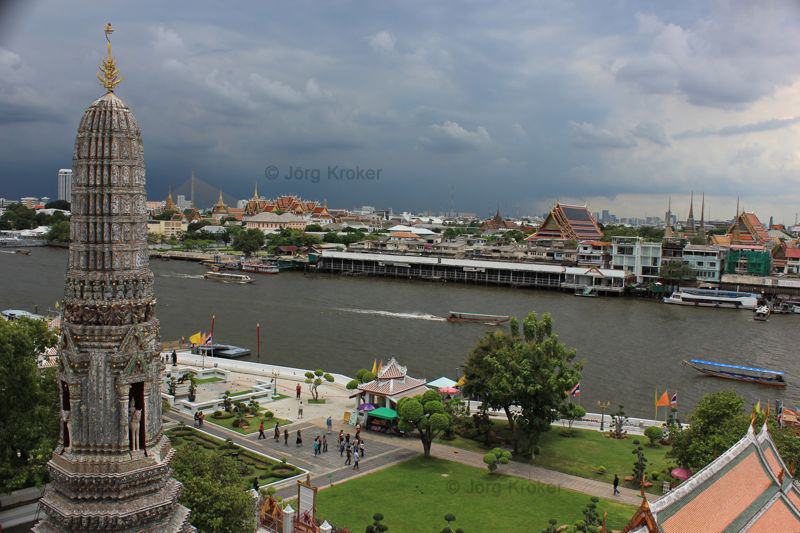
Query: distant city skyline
613, 106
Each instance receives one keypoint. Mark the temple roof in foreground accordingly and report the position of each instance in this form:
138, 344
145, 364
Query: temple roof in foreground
747, 488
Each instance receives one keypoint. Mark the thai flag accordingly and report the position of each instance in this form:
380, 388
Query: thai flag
673, 402
208, 341
779, 418
576, 390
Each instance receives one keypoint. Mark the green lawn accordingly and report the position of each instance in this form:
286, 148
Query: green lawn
250, 464
415, 496
313, 401
580, 454
213, 379
252, 428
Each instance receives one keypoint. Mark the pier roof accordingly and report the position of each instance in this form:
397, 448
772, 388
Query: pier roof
469, 263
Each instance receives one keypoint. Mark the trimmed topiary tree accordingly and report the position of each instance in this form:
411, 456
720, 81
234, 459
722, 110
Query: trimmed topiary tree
315, 379
425, 414
654, 435
498, 456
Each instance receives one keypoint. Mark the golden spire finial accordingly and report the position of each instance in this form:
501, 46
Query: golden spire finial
109, 72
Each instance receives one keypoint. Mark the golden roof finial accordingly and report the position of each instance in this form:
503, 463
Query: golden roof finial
109, 72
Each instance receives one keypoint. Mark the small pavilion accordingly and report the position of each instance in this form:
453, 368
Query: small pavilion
391, 384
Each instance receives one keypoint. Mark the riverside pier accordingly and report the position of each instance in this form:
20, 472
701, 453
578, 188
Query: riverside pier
508, 273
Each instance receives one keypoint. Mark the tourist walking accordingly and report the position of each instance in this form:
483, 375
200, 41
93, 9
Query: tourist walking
297, 390
285, 437
201, 418
361, 449
197, 419
324, 444
616, 484
316, 445
341, 448
261, 431
347, 439
349, 452
299, 440
355, 460
341, 435
174, 358
300, 410
329, 423
277, 432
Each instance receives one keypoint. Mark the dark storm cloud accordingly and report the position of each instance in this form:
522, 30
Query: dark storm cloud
764, 125
530, 101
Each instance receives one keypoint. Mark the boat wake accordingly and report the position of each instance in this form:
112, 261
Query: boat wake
179, 275
417, 316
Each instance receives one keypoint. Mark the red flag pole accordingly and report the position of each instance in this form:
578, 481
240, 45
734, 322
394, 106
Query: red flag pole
213, 318
258, 334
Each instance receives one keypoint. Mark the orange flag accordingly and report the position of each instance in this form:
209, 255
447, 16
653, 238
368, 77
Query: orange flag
663, 401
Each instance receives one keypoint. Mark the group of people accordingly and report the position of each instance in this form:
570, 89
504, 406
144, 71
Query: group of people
352, 448
199, 417
320, 445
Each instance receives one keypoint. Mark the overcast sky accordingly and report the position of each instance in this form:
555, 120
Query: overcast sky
516, 104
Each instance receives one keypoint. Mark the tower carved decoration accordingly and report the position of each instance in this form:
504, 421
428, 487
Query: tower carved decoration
110, 470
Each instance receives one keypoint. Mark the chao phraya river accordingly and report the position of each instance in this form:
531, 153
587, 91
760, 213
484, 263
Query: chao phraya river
630, 346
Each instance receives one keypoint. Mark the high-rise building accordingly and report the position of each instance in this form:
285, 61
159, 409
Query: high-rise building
65, 184
110, 470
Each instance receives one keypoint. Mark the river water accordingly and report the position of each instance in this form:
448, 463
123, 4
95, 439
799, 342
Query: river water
630, 346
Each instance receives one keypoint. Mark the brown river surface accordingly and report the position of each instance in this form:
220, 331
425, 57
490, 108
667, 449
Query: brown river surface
630, 346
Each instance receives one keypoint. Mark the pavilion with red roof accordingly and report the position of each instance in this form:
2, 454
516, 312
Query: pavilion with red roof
391, 384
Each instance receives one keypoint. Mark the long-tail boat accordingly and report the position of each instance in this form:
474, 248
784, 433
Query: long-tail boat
748, 374
477, 317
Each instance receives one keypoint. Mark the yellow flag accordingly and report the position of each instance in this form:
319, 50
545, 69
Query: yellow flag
758, 407
197, 338
375, 366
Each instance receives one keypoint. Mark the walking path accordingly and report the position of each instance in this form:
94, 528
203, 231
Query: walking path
326, 468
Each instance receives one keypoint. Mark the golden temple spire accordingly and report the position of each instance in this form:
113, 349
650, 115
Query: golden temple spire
109, 72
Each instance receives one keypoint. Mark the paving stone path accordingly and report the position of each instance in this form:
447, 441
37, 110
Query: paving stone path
325, 468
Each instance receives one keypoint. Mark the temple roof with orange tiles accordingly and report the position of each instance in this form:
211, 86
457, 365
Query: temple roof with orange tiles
285, 204
747, 488
392, 380
748, 230
568, 222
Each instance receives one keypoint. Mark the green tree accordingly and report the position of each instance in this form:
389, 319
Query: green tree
542, 370
571, 412
497, 456
58, 204
212, 490
362, 376
29, 412
377, 525
248, 241
618, 422
718, 421
316, 228
640, 464
449, 518
315, 379
424, 413
58, 232
654, 434
167, 214
17, 216
676, 271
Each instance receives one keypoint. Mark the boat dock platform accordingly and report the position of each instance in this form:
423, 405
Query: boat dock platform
508, 273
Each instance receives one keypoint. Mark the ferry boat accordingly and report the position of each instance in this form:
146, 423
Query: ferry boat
227, 277
495, 320
713, 298
227, 351
748, 374
762, 313
259, 267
